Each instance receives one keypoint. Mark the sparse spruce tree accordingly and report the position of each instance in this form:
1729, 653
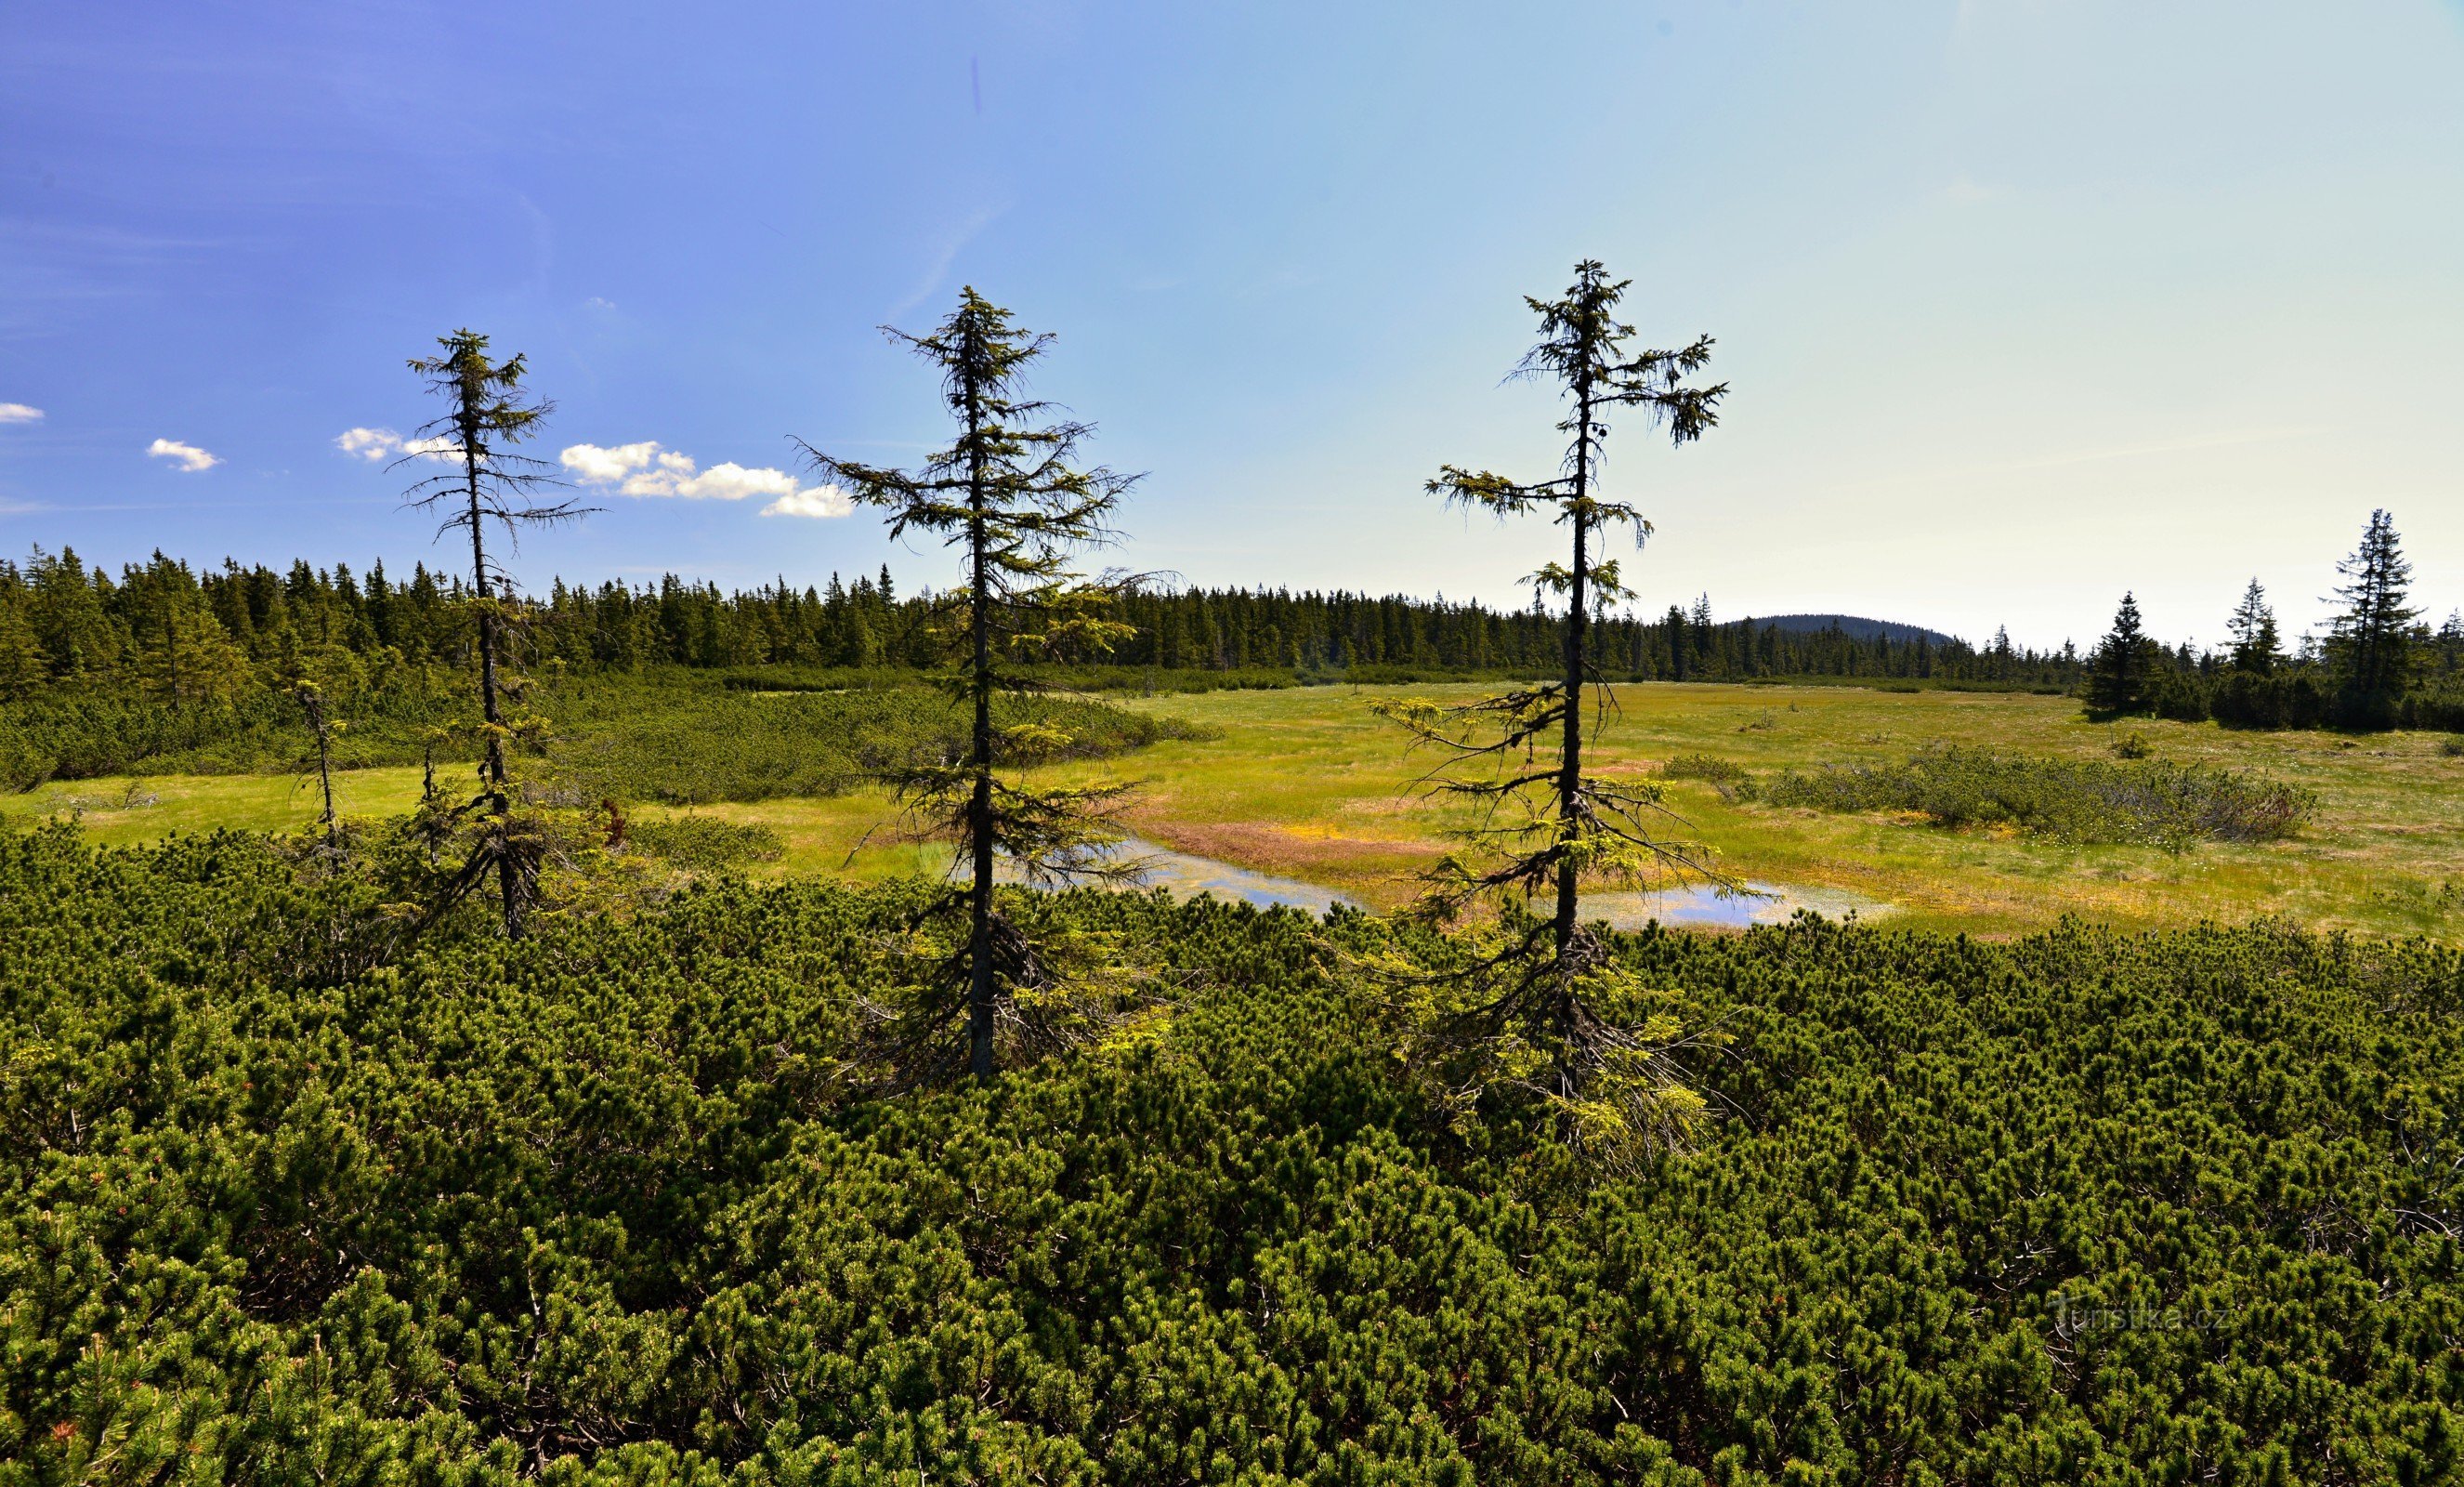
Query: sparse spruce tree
1544, 1006
2369, 647
1008, 495
2256, 647
2122, 671
488, 413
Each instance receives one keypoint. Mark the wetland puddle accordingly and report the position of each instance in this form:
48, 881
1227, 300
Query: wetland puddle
1188, 877
1700, 905
1696, 905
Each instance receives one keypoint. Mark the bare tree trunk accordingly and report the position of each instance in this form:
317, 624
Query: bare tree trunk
324, 769
508, 888
980, 810
1570, 774
489, 707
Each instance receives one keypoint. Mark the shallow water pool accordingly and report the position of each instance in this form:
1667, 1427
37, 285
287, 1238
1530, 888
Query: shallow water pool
1700, 905
1188, 875
1696, 905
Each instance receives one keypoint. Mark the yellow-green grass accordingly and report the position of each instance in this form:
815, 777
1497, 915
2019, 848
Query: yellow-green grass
1307, 784
122, 811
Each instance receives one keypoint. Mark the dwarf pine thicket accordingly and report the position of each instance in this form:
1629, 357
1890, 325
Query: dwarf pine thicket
609, 1204
674, 736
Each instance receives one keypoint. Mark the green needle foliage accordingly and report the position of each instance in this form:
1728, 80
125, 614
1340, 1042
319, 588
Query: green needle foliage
1542, 825
487, 412
1008, 495
598, 1209
2256, 649
2124, 667
2372, 645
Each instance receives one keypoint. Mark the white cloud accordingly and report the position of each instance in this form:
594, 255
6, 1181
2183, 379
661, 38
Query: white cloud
19, 413
646, 470
367, 443
820, 500
188, 457
596, 466
380, 444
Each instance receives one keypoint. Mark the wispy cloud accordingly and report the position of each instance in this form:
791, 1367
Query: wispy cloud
19, 413
184, 456
374, 445
944, 256
645, 470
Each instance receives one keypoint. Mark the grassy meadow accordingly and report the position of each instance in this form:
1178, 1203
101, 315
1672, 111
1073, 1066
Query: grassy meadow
1304, 783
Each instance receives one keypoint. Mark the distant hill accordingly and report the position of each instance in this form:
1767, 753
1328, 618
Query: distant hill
1855, 625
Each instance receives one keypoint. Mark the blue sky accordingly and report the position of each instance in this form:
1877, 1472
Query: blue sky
2022, 303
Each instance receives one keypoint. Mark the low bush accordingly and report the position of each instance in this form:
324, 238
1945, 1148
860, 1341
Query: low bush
2149, 802
602, 1207
698, 745
1704, 766
669, 736
705, 843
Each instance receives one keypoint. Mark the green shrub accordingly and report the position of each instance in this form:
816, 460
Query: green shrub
705, 843
2151, 802
672, 736
694, 745
605, 1207
2453, 745
1704, 766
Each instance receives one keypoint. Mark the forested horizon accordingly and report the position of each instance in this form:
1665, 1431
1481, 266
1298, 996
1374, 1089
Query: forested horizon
61, 619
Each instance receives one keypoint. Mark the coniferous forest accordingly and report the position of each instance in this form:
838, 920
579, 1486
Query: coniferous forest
515, 1138
64, 622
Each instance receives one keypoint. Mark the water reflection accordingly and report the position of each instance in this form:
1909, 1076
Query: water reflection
1704, 906
1696, 905
1188, 875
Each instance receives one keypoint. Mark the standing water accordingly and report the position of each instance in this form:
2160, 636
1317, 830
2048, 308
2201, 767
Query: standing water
1188, 875
1697, 905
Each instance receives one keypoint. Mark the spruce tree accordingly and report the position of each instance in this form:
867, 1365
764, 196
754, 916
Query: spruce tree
2369, 645
1007, 494
1548, 1010
2256, 647
23, 668
488, 413
181, 652
64, 605
2122, 672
